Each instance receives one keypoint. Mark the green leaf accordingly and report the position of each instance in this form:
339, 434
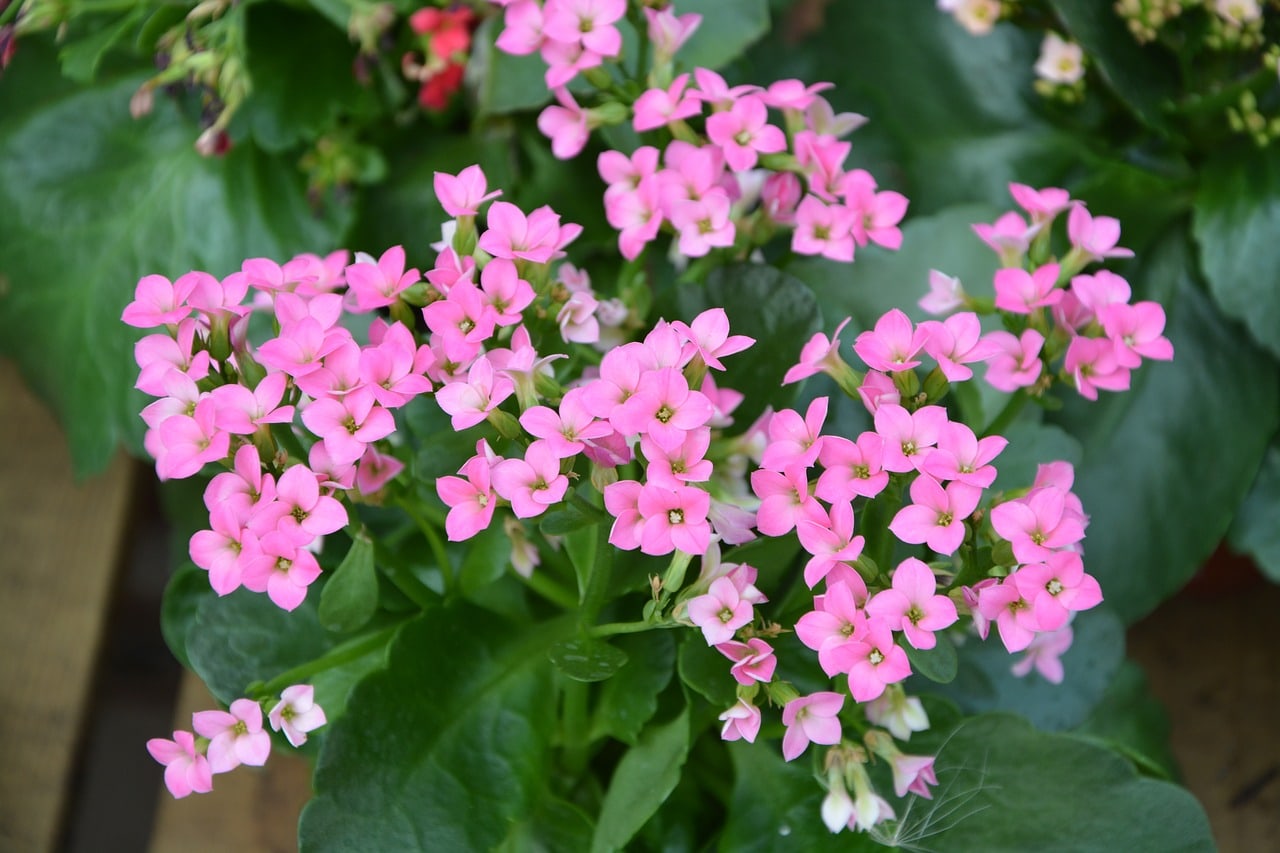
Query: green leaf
776, 807
984, 681
555, 827
503, 83
630, 698
104, 200
646, 775
444, 748
1132, 721
773, 307
727, 30
245, 637
82, 56
1150, 528
350, 597
487, 558
706, 671
1143, 77
1031, 444
287, 108
581, 545
183, 594
1005, 786
1256, 528
938, 664
1236, 222
586, 659
571, 517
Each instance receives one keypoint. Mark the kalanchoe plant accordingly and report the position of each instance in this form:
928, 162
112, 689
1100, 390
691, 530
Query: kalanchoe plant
628, 499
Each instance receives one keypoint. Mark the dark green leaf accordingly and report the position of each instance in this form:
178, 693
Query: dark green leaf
1149, 529
1131, 720
1143, 77
773, 307
104, 200
187, 588
585, 659
82, 56
727, 30
487, 557
444, 748
706, 671
984, 681
581, 545
1256, 529
630, 698
504, 83
1236, 223
350, 596
286, 107
571, 517
1005, 786
1032, 444
776, 807
937, 664
556, 827
647, 773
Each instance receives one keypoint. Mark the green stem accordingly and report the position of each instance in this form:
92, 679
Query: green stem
1007, 414
434, 541
335, 657
415, 590
612, 628
575, 730
598, 583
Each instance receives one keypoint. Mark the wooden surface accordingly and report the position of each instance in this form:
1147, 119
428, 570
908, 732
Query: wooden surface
59, 548
250, 810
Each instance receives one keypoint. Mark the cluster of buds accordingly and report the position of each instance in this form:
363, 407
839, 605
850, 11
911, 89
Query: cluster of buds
1145, 18
223, 740
444, 45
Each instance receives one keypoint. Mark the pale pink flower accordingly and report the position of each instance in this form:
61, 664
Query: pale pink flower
1009, 237
299, 509
704, 223
1045, 654
1003, 604
241, 411
223, 551
752, 661
297, 713
784, 500
1038, 524
708, 336
469, 402
908, 436
913, 606
157, 302
823, 229
533, 483
945, 294
743, 132
1056, 588
185, 770
793, 94
958, 341
893, 344
876, 214
829, 543
375, 471
962, 456
852, 468
522, 29
1020, 292
1041, 205
1094, 237
793, 440
685, 463
1060, 61
811, 719
1018, 364
186, 443
235, 737
283, 570
1136, 331
899, 713
471, 501
713, 89
872, 661
936, 514
622, 501
819, 355
1093, 363
835, 621
675, 518
566, 124
539, 237
376, 284
659, 107
349, 424
586, 22
667, 31
720, 611
741, 722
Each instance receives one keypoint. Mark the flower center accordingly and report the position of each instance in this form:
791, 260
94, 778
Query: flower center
1054, 586
726, 615
876, 657
665, 413
675, 516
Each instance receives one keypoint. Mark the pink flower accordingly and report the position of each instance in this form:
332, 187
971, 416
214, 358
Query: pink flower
1093, 363
659, 107
241, 411
829, 543
185, 770
908, 436
283, 570
893, 344
793, 441
1135, 330
835, 622
235, 737
1094, 237
913, 774
720, 611
348, 425
531, 484
912, 605
1018, 363
1003, 604
1038, 524
157, 302
752, 661
945, 294
1041, 205
567, 125
1056, 588
225, 550
667, 31
877, 214
471, 501
958, 341
586, 22
784, 500
375, 471
469, 402
297, 713
539, 237
1009, 236
462, 195
1020, 292
872, 661
823, 229
819, 355
811, 719
936, 515
299, 509
1045, 653
742, 721
685, 463
186, 443
704, 223
622, 501
708, 336
743, 132
852, 468
663, 407
963, 457
675, 517
376, 284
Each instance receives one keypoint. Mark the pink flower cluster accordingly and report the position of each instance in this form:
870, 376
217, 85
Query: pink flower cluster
1086, 319
223, 740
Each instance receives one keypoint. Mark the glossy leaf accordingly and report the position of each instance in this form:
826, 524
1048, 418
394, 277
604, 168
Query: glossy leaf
1133, 722
629, 699
586, 659
1236, 223
444, 748
186, 589
727, 30
1150, 528
984, 681
1143, 77
350, 596
501, 82
764, 303
706, 671
1256, 529
938, 664
646, 775
105, 200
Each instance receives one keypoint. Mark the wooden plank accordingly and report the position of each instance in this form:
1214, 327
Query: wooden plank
59, 548
251, 809
1211, 659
